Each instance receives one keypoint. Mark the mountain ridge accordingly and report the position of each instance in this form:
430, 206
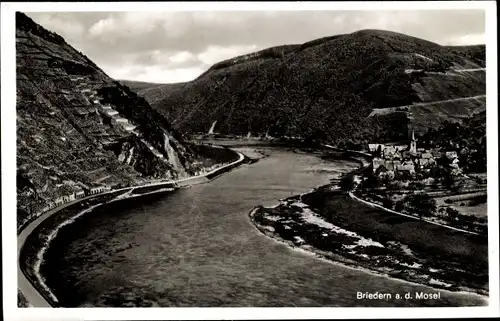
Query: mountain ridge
277, 90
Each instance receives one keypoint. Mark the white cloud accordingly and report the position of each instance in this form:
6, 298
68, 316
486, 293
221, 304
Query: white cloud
156, 74
153, 73
181, 57
128, 24
71, 29
103, 27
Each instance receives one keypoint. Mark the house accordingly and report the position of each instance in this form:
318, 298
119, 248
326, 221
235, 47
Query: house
423, 162
69, 198
408, 163
380, 170
377, 162
451, 155
401, 148
121, 120
406, 168
389, 165
374, 147
428, 181
426, 155
464, 151
95, 190
435, 152
59, 201
406, 154
388, 152
389, 174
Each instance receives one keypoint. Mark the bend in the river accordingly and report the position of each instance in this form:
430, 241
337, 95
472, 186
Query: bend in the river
197, 247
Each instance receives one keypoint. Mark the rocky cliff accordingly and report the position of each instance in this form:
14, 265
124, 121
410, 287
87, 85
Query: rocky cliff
81, 132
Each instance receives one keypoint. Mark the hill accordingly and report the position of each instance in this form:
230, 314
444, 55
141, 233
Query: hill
138, 85
151, 91
79, 131
326, 88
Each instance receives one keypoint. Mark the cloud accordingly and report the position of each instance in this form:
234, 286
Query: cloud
71, 29
182, 43
155, 73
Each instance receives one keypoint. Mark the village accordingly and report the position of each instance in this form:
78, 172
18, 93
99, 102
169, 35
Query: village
428, 183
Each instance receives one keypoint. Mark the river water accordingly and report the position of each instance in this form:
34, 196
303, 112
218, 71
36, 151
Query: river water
196, 247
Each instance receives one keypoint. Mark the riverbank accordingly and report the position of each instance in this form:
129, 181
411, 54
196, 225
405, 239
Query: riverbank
44, 228
332, 225
196, 247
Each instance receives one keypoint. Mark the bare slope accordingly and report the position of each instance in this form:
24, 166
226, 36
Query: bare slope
324, 88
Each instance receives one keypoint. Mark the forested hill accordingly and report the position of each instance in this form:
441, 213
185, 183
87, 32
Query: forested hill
324, 88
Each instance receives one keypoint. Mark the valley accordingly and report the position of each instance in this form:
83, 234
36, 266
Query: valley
300, 175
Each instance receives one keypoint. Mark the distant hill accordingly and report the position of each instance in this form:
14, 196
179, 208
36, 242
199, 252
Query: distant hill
151, 91
138, 85
325, 88
79, 129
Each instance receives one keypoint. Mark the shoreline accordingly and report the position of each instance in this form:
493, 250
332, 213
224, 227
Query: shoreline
331, 255
46, 294
312, 251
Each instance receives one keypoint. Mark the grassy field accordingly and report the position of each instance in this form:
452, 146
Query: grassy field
380, 225
465, 204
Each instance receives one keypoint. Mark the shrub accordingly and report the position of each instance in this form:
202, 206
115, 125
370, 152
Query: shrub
399, 206
452, 213
387, 203
421, 203
347, 183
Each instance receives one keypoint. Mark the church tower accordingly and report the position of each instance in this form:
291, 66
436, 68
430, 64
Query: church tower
413, 143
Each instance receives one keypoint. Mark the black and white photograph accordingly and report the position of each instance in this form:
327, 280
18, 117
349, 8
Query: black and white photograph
252, 155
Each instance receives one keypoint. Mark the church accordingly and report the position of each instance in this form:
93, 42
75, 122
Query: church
390, 159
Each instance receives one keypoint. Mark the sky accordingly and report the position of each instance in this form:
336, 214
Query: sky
169, 47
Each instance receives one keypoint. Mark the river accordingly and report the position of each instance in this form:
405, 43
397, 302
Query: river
196, 247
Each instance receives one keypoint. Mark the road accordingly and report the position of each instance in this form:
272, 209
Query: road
32, 295
383, 111
371, 204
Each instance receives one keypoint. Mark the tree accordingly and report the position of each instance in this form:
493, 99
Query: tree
422, 204
399, 206
372, 181
387, 203
448, 180
347, 183
452, 214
